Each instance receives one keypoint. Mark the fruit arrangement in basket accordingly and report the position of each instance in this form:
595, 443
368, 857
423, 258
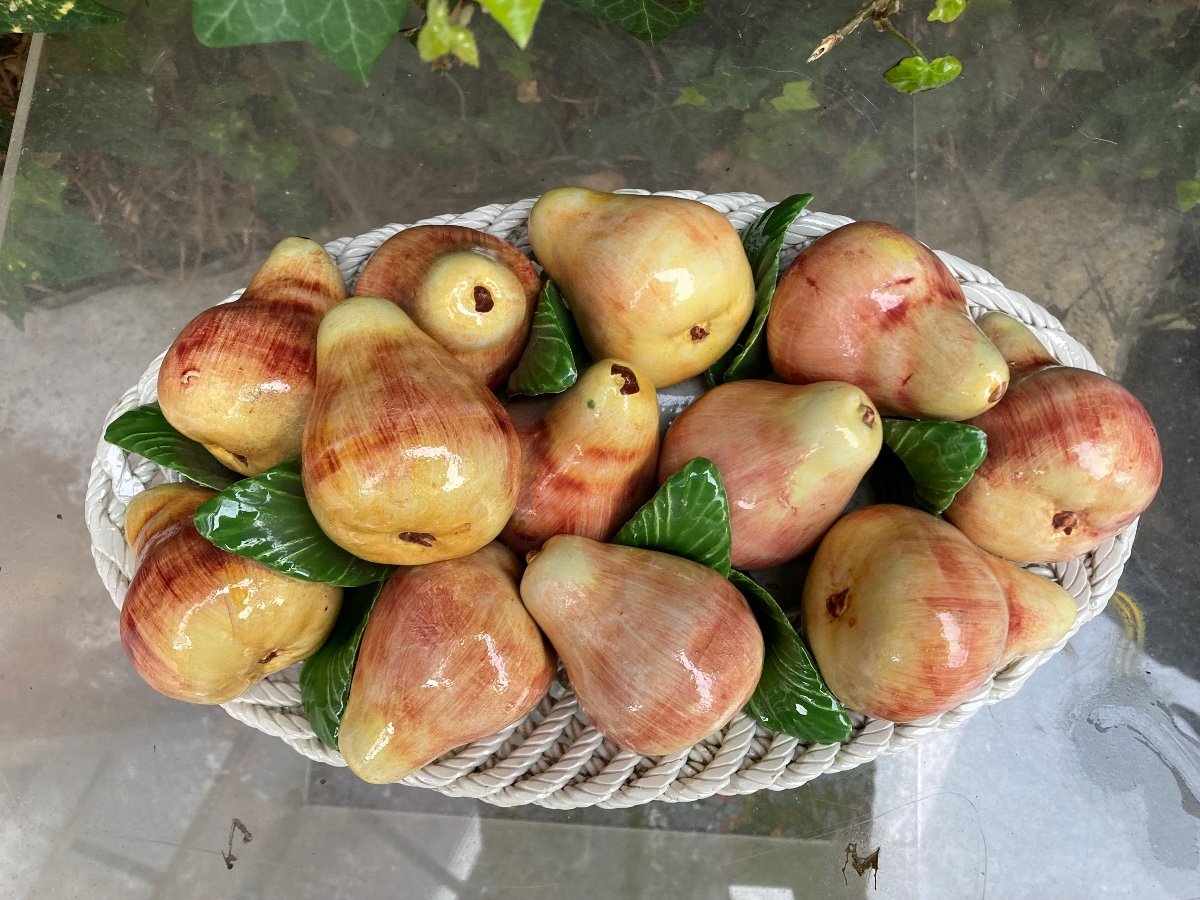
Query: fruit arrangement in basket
436, 490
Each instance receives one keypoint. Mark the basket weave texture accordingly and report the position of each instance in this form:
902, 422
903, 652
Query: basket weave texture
554, 757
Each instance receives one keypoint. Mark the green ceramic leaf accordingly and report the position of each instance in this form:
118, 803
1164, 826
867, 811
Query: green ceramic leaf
916, 73
353, 35
890, 481
147, 432
267, 519
941, 457
554, 354
326, 675
791, 695
517, 17
646, 20
53, 16
687, 516
947, 10
763, 242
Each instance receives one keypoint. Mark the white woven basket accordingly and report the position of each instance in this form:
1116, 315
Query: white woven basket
554, 757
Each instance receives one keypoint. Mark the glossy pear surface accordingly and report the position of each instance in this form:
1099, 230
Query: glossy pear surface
869, 305
588, 456
662, 651
1072, 459
907, 618
790, 457
449, 656
407, 458
240, 376
203, 625
660, 281
1040, 612
471, 292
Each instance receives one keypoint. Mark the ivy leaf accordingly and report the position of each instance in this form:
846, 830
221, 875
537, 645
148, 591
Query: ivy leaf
688, 516
941, 457
353, 35
646, 20
267, 519
147, 432
947, 10
1187, 193
519, 64
797, 96
554, 354
54, 16
690, 96
791, 696
326, 676
1072, 48
730, 85
517, 17
916, 73
441, 37
763, 242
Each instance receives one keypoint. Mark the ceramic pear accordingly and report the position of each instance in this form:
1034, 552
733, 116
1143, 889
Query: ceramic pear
203, 625
1072, 458
907, 618
588, 456
790, 457
661, 651
660, 281
407, 457
869, 305
240, 376
471, 292
449, 656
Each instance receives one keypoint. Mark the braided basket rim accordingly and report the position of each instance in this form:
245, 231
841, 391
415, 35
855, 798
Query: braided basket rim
554, 757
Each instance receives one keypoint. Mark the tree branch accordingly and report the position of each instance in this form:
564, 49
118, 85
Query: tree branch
876, 10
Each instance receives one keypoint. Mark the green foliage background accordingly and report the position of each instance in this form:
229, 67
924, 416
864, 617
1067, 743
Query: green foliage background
147, 150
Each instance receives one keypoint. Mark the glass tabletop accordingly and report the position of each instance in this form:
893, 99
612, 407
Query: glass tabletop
154, 175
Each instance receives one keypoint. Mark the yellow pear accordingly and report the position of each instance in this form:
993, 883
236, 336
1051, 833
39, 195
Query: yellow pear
449, 656
662, 651
790, 457
203, 625
660, 281
907, 618
1072, 459
239, 378
588, 457
471, 292
407, 457
870, 305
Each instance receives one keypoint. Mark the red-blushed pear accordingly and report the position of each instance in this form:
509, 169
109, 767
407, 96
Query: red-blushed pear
1072, 457
240, 376
660, 281
907, 618
449, 656
588, 456
790, 457
869, 305
661, 651
203, 625
407, 457
471, 292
